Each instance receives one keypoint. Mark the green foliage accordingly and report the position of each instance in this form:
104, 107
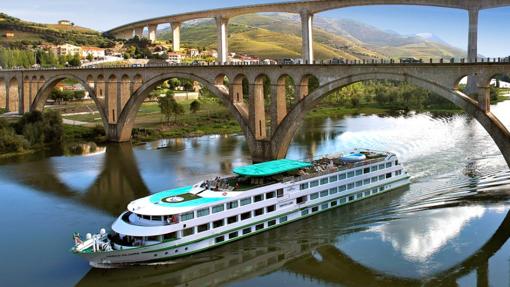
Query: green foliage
166, 105
90, 57
64, 96
74, 61
194, 106
39, 128
9, 141
10, 58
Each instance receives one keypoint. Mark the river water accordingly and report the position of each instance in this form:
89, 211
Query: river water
450, 227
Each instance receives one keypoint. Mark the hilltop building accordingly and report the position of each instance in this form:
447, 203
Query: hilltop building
174, 58
65, 23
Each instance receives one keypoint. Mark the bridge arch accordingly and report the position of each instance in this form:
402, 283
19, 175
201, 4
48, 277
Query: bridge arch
3, 94
288, 128
46, 88
126, 120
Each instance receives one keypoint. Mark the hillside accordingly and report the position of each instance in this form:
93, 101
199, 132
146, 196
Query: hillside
279, 35
28, 33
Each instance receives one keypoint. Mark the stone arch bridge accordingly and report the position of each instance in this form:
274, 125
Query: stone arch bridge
267, 121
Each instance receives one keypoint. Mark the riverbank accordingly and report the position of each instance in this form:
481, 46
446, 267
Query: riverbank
214, 118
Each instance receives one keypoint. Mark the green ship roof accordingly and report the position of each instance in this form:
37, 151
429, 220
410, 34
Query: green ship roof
270, 167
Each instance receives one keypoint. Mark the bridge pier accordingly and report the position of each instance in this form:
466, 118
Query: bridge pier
176, 36
471, 87
484, 99
222, 31
307, 36
152, 32
139, 32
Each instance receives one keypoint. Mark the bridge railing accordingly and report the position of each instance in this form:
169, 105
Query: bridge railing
334, 62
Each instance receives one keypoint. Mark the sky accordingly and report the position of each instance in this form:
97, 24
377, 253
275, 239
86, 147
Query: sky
451, 25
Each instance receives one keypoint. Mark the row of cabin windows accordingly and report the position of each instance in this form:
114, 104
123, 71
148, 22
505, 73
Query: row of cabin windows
341, 200
229, 220
342, 188
248, 230
231, 205
343, 176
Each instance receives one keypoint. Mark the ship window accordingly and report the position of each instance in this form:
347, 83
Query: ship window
303, 186
351, 198
388, 175
381, 177
259, 226
324, 193
259, 211
270, 195
146, 217
359, 195
366, 170
203, 227
333, 203
202, 212
156, 218
304, 212
388, 164
314, 196
245, 201
232, 219
301, 199
375, 190
271, 208
232, 205
233, 235
333, 190
366, 181
218, 223
324, 206
218, 208
396, 162
246, 230
359, 183
350, 185
188, 231
343, 200
374, 179
245, 215
324, 180
271, 223
350, 174
359, 172
170, 236
398, 172
381, 166
373, 168
283, 219
279, 192
342, 176
257, 198
314, 183
367, 193
187, 216
219, 239
333, 178
315, 209
381, 188
342, 188
153, 238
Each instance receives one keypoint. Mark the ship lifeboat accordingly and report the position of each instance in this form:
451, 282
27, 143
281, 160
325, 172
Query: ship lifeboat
353, 157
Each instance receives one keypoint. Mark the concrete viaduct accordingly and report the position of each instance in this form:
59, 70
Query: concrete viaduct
119, 93
306, 9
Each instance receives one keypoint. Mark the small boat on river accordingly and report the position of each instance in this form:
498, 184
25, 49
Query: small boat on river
259, 197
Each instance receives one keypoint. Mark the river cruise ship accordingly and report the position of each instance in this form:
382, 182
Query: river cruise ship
259, 197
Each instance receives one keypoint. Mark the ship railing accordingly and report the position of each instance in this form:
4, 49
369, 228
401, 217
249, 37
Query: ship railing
337, 169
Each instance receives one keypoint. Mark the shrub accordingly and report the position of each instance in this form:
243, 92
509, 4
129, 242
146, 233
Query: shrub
194, 106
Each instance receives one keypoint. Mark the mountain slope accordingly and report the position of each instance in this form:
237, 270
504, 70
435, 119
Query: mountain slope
28, 33
276, 35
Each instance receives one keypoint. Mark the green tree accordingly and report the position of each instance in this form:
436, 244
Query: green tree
166, 105
74, 61
90, 57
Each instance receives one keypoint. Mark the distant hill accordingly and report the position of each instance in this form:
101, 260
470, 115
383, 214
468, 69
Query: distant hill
28, 33
278, 35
